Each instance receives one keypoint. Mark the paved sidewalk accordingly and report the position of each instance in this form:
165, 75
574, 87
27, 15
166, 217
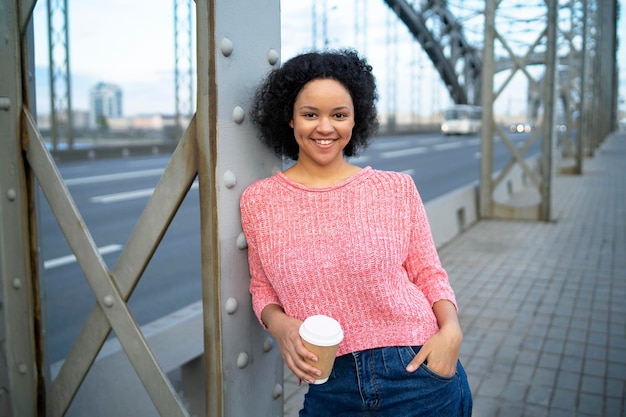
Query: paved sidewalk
543, 304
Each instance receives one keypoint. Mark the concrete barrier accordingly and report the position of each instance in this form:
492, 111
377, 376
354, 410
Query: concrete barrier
112, 387
452, 213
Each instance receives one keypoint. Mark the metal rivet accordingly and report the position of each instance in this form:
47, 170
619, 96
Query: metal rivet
108, 300
11, 194
268, 344
238, 114
5, 103
242, 360
277, 392
242, 243
22, 369
17, 283
272, 56
227, 47
230, 179
231, 305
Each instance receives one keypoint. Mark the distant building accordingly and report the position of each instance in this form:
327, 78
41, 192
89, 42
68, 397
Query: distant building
105, 102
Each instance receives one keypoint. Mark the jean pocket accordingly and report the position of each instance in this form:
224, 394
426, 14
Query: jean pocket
443, 378
407, 354
424, 366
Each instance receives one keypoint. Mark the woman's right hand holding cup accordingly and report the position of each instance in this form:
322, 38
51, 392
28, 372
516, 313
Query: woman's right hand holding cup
285, 330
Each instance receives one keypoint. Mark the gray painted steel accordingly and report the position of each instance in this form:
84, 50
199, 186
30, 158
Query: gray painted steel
242, 39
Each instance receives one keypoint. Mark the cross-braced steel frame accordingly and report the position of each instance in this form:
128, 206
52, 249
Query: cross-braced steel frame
233, 339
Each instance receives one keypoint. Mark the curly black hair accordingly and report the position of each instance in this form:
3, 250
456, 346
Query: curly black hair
272, 109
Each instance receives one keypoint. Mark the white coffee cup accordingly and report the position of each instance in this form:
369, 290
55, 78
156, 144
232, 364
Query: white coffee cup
322, 335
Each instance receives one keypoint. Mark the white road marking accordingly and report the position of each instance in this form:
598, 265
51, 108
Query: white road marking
127, 195
403, 152
451, 145
114, 177
64, 260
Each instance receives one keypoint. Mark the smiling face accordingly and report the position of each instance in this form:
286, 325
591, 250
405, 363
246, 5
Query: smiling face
323, 118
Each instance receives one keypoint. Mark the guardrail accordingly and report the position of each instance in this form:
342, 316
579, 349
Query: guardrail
454, 212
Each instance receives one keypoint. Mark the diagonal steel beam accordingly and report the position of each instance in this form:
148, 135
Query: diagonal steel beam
517, 157
111, 304
519, 64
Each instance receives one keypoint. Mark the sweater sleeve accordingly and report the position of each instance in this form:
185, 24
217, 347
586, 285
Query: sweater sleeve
422, 263
260, 287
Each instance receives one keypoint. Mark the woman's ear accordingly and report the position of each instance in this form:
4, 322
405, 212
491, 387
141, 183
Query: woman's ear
291, 123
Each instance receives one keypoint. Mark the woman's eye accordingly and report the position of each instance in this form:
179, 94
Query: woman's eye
309, 115
341, 115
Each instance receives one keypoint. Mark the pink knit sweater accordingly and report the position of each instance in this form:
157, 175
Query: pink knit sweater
360, 251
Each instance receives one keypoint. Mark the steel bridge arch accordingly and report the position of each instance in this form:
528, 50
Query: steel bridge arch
458, 63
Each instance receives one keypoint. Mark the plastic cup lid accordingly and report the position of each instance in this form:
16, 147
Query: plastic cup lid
321, 330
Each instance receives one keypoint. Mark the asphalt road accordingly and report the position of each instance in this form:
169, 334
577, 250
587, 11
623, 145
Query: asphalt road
111, 194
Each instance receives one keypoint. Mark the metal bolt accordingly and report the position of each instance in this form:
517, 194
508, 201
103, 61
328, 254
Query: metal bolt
231, 305
268, 344
11, 194
242, 243
277, 392
17, 283
238, 114
242, 360
272, 56
230, 179
5, 103
226, 46
22, 369
108, 300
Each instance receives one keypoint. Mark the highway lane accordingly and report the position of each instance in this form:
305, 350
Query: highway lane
111, 194
171, 280
437, 164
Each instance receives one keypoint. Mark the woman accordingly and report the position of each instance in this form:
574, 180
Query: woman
328, 237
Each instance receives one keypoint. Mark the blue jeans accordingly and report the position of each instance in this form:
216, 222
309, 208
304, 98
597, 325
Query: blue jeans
375, 383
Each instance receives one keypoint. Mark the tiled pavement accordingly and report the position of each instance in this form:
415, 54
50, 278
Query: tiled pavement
543, 304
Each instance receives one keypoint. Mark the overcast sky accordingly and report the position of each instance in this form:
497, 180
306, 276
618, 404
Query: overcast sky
116, 41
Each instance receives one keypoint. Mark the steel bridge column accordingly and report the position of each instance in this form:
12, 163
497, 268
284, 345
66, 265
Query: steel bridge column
238, 42
486, 144
607, 58
548, 124
20, 367
533, 203
183, 66
582, 131
61, 112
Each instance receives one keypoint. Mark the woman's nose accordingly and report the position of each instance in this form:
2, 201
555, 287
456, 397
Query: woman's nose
324, 125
